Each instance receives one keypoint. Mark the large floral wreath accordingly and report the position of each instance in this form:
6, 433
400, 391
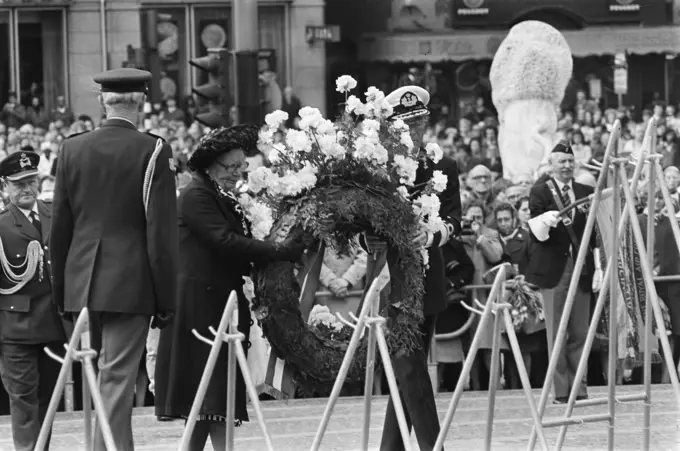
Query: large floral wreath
329, 183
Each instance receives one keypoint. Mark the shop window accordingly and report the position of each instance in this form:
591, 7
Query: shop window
165, 29
5, 56
42, 57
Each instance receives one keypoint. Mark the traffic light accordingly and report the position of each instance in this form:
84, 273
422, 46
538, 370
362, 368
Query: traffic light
248, 96
215, 93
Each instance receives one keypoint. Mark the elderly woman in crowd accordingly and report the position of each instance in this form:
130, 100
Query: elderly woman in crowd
216, 251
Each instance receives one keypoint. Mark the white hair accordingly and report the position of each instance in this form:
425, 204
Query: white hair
126, 102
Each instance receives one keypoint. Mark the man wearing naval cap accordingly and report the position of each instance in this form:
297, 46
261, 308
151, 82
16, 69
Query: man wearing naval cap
29, 321
409, 103
553, 249
115, 249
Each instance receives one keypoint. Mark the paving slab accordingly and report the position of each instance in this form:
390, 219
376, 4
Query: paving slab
293, 425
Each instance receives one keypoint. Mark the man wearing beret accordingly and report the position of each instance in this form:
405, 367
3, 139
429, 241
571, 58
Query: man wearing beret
115, 250
409, 104
553, 249
29, 320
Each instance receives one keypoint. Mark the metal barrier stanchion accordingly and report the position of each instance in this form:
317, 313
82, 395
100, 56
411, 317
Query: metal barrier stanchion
236, 356
375, 326
496, 308
85, 355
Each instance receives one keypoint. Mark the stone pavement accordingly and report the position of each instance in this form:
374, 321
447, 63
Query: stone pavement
292, 425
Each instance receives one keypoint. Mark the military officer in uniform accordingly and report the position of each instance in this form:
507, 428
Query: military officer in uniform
113, 252
29, 320
409, 104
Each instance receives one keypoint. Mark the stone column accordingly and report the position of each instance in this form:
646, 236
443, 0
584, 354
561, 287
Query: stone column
308, 60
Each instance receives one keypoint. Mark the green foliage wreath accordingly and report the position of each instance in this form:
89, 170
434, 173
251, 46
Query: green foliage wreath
335, 212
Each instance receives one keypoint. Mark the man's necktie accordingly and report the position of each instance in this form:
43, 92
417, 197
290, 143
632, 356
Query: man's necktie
35, 220
567, 199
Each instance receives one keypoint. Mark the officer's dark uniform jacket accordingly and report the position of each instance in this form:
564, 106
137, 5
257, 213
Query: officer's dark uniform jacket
28, 316
108, 254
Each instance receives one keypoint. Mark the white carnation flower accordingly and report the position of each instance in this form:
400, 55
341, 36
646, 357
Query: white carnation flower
426, 257
275, 153
267, 136
368, 126
374, 94
406, 169
310, 117
380, 155
298, 141
260, 178
276, 118
400, 126
439, 181
406, 140
326, 127
345, 83
330, 147
354, 105
403, 192
434, 152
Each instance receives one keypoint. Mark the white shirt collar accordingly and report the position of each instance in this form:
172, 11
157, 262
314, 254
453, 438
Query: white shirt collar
28, 212
560, 185
121, 119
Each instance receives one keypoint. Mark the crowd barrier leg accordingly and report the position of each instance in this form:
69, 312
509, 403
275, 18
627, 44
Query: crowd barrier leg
235, 357
368, 317
560, 337
79, 338
502, 318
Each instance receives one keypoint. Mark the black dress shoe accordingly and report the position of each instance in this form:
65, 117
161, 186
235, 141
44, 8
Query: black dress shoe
581, 397
560, 400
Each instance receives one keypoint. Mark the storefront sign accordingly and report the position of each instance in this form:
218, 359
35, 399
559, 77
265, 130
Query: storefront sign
34, 3
620, 74
473, 45
624, 6
621, 81
470, 8
324, 33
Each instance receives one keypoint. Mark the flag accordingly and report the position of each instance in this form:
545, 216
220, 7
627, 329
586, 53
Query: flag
278, 381
630, 293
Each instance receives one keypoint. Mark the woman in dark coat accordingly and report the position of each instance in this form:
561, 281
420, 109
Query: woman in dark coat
216, 251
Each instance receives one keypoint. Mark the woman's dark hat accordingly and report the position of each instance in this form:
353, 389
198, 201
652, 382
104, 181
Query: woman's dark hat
222, 140
19, 165
408, 102
123, 80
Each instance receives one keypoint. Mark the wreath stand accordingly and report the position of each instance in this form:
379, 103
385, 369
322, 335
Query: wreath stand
500, 310
79, 349
235, 356
610, 282
369, 317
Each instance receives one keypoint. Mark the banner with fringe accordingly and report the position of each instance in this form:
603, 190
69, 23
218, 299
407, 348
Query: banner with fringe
630, 293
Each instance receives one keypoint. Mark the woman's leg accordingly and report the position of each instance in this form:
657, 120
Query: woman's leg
200, 436
218, 435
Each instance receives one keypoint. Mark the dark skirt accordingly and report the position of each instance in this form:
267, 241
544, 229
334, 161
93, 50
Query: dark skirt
180, 364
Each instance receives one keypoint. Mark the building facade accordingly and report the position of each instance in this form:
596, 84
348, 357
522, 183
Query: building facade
50, 48
448, 45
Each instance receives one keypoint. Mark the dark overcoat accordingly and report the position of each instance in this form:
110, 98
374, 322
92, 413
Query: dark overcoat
215, 253
668, 261
548, 259
28, 316
436, 283
107, 253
